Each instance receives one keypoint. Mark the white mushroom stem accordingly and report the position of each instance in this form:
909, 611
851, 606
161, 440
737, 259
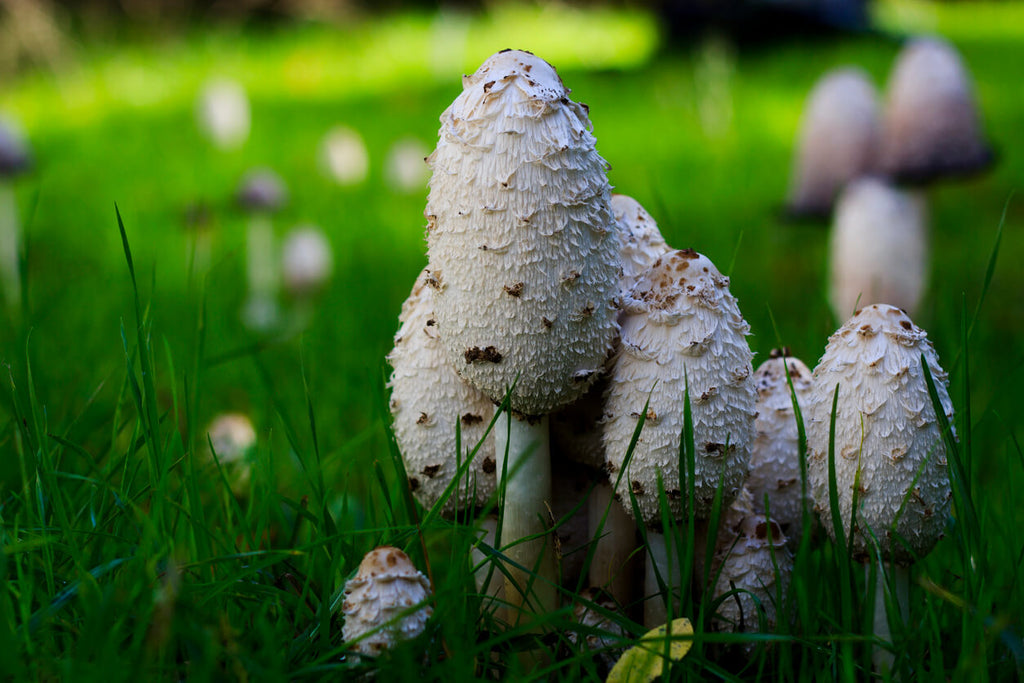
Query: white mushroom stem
659, 563
899, 592
261, 270
525, 453
10, 275
610, 568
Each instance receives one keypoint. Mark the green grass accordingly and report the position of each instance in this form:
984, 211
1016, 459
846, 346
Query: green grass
123, 553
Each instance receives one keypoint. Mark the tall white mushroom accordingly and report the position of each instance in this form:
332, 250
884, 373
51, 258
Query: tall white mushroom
427, 399
385, 602
889, 449
775, 457
879, 248
523, 252
15, 159
931, 127
682, 331
839, 140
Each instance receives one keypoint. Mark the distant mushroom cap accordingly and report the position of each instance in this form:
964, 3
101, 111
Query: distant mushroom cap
932, 126
383, 591
522, 243
775, 457
306, 261
840, 135
887, 439
879, 248
15, 157
261, 189
223, 112
681, 330
427, 399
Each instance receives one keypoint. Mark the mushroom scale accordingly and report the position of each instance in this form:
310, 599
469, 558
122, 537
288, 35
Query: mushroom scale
887, 435
427, 398
522, 243
681, 327
385, 587
775, 457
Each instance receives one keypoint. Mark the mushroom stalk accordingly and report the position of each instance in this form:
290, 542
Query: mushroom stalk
610, 568
261, 270
899, 591
525, 474
10, 270
659, 563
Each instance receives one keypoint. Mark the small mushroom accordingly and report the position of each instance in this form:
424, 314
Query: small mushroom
682, 331
260, 194
385, 602
428, 398
878, 251
640, 239
931, 126
15, 159
890, 455
404, 167
223, 113
344, 156
306, 261
839, 140
775, 456
233, 440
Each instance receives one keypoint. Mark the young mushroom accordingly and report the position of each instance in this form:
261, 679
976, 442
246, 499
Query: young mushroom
523, 257
232, 439
775, 457
879, 248
682, 332
839, 140
260, 194
890, 456
15, 159
385, 602
931, 126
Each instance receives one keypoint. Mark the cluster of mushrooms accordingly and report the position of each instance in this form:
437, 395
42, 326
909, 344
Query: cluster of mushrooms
552, 318
866, 163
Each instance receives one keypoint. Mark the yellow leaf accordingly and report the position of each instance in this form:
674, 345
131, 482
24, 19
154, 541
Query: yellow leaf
645, 661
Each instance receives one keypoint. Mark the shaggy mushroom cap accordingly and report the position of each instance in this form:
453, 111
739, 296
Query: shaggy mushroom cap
681, 327
641, 241
887, 435
522, 243
839, 140
775, 458
748, 551
427, 398
381, 593
261, 190
931, 123
306, 261
15, 157
879, 248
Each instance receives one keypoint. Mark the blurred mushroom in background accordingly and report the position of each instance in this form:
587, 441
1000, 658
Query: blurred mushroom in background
344, 155
223, 113
405, 168
15, 159
260, 194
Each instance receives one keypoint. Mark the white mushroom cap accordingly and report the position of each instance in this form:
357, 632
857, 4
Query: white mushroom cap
748, 553
523, 246
840, 134
775, 458
405, 167
879, 248
306, 261
887, 435
233, 438
386, 586
15, 157
681, 324
344, 155
641, 241
427, 398
931, 122
223, 113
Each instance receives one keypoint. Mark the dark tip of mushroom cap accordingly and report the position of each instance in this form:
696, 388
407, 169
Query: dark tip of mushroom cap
261, 190
14, 153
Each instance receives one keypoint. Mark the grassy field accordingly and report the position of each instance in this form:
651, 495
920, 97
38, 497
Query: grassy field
124, 556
